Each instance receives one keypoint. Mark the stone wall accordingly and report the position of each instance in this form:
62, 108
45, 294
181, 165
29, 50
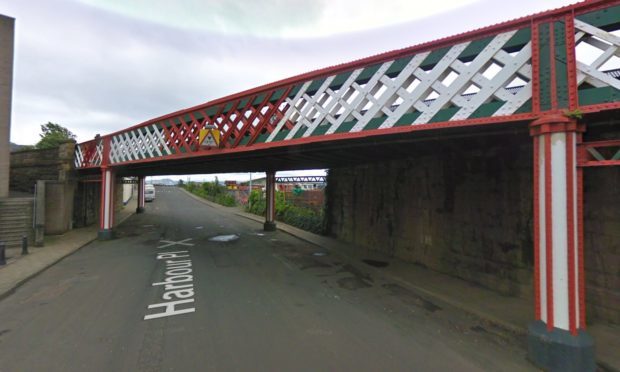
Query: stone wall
602, 242
55, 166
27, 167
58, 207
464, 208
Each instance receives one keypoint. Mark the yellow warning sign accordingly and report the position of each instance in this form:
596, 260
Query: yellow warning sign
209, 137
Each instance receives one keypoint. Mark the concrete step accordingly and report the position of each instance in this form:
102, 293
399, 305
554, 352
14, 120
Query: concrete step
16, 216
15, 200
16, 209
10, 213
26, 220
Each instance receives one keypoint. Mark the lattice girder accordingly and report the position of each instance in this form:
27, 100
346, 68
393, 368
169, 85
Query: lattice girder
509, 72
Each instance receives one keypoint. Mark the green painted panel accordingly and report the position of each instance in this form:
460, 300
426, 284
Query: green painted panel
486, 110
604, 18
320, 130
407, 119
340, 79
198, 115
294, 91
375, 123
242, 103
515, 43
187, 118
474, 48
211, 111
244, 141
594, 96
281, 135
227, 108
314, 86
434, 57
300, 133
398, 65
520, 38
262, 138
259, 99
525, 108
545, 68
561, 71
367, 73
346, 127
276, 96
444, 115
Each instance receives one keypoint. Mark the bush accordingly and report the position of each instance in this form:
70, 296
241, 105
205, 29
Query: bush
211, 191
305, 218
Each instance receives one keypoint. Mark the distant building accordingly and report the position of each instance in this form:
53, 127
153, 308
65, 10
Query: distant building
7, 31
231, 185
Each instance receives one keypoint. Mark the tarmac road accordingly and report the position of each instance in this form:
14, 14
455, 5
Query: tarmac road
261, 302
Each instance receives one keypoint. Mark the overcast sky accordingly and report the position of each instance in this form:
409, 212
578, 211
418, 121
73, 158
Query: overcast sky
97, 66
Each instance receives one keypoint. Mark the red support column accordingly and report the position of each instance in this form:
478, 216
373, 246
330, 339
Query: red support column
106, 218
106, 212
270, 210
557, 338
141, 184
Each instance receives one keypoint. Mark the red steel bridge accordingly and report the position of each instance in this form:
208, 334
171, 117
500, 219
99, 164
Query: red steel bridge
529, 72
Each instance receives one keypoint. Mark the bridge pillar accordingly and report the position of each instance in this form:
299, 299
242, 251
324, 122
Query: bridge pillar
270, 208
106, 218
557, 339
141, 184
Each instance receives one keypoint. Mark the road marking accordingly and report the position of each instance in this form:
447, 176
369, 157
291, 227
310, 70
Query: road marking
178, 285
170, 243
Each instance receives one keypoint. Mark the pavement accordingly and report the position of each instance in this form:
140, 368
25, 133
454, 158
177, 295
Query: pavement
20, 268
505, 316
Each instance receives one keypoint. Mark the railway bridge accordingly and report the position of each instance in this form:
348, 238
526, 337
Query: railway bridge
552, 78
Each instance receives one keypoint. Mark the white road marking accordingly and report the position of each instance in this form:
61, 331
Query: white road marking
170, 243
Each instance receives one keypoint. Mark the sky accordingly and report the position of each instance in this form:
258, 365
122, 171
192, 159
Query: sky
97, 66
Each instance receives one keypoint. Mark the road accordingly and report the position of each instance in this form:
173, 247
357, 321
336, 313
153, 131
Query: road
262, 302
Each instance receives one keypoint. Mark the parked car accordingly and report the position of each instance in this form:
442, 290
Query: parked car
149, 193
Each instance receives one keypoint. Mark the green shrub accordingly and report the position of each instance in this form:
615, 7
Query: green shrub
305, 218
211, 191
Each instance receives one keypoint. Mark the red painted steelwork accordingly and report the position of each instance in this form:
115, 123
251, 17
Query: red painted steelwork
535, 67
571, 68
586, 159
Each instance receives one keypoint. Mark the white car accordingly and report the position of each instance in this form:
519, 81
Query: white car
149, 193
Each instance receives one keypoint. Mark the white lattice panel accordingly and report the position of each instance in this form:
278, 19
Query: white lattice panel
609, 47
140, 143
411, 91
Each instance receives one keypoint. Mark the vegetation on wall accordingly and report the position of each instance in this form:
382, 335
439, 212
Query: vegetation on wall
305, 218
52, 135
